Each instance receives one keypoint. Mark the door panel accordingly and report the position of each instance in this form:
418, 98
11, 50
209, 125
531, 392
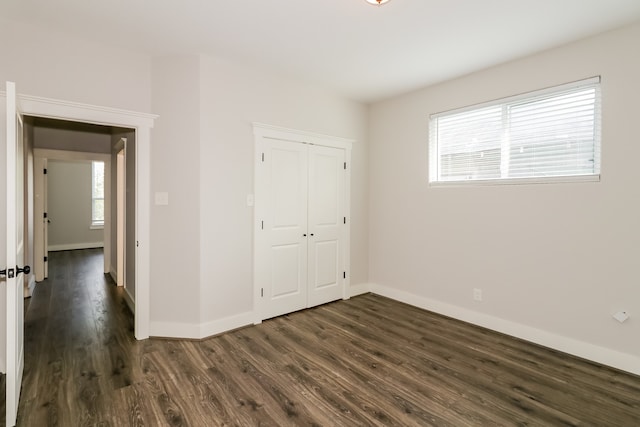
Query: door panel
326, 224
14, 256
287, 278
327, 255
283, 277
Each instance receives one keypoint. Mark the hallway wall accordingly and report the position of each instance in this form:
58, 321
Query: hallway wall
69, 208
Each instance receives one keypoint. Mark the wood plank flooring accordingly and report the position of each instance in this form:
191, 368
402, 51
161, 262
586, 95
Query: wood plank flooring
368, 361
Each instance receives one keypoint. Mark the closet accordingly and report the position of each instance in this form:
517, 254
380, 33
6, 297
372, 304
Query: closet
301, 234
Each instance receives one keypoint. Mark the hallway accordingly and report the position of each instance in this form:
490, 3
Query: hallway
79, 344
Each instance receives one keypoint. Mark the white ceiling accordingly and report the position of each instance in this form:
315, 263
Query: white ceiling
360, 51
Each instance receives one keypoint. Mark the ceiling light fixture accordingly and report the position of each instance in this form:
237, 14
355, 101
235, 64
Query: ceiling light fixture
377, 2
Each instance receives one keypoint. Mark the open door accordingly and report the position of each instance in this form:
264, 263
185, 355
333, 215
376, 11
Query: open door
15, 255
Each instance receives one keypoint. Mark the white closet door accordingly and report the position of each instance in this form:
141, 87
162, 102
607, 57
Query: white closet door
326, 224
283, 271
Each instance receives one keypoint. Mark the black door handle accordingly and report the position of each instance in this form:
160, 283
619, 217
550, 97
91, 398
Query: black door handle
25, 270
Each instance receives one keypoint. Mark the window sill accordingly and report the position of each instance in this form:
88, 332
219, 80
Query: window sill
96, 227
517, 181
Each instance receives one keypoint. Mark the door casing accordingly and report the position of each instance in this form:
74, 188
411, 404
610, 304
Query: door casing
142, 123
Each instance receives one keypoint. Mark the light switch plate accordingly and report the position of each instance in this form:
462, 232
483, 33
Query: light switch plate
162, 198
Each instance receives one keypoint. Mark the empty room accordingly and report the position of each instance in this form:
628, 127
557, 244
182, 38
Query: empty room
337, 213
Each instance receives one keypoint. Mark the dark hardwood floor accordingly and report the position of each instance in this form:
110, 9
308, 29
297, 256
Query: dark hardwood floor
368, 361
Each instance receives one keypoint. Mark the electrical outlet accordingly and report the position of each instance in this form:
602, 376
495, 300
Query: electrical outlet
477, 294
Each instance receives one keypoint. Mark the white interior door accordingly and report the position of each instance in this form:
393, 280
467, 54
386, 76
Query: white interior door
327, 220
282, 269
301, 239
45, 219
14, 255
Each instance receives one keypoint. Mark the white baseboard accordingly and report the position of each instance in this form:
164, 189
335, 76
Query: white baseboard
31, 286
219, 326
605, 356
174, 330
200, 331
359, 289
74, 246
113, 275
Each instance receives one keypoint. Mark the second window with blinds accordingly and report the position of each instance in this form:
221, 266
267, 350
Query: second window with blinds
544, 136
97, 195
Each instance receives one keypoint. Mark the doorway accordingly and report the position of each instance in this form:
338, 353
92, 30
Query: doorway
140, 125
68, 214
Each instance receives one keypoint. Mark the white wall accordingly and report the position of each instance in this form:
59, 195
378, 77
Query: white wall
232, 97
554, 261
47, 63
175, 228
69, 206
88, 141
202, 157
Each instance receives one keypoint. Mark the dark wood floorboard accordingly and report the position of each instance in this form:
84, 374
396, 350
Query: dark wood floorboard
368, 361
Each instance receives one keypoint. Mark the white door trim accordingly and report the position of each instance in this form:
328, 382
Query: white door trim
263, 132
142, 123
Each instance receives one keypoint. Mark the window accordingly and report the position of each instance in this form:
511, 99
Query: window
542, 136
97, 194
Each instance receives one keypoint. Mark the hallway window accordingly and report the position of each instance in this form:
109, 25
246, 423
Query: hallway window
97, 195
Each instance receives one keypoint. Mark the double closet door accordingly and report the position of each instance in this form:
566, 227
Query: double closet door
302, 233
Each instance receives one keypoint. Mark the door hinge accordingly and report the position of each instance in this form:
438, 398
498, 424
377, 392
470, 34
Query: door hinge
262, 292
46, 259
262, 157
345, 165
45, 171
45, 214
345, 220
344, 274
262, 225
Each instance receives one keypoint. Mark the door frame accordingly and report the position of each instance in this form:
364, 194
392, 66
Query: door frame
262, 134
142, 123
120, 150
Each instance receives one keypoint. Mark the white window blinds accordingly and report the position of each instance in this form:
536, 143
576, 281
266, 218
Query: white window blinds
547, 134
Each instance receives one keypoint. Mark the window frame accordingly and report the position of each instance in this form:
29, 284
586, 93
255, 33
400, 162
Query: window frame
433, 162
